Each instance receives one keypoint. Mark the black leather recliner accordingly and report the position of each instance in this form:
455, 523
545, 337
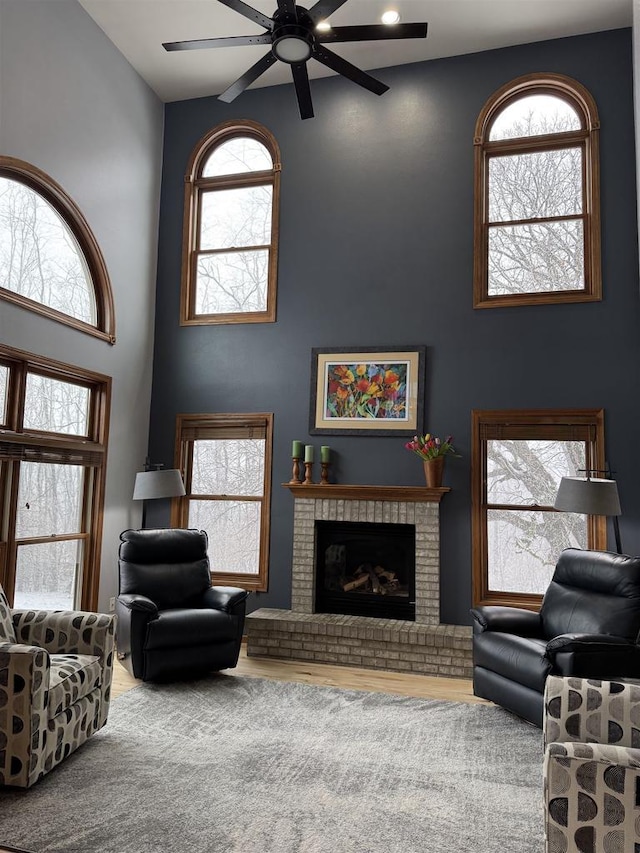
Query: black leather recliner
171, 622
588, 626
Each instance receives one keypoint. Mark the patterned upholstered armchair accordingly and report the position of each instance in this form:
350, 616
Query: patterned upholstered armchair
592, 766
55, 682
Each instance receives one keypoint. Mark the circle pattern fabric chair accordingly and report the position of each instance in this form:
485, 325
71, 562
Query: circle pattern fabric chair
55, 685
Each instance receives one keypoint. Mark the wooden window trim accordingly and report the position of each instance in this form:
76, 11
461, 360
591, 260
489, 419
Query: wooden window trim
194, 187
575, 94
569, 424
189, 428
63, 204
89, 452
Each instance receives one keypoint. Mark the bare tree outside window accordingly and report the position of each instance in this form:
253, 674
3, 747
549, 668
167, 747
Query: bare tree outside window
534, 115
537, 255
39, 256
229, 467
234, 281
52, 460
48, 574
524, 545
237, 155
49, 504
230, 251
49, 500
233, 528
226, 461
519, 458
537, 194
55, 406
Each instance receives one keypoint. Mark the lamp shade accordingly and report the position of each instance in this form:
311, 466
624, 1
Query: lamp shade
588, 496
158, 484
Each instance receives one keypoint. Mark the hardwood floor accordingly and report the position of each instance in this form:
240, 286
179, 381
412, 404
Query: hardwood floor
345, 677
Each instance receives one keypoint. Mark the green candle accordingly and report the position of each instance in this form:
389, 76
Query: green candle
308, 453
296, 450
325, 453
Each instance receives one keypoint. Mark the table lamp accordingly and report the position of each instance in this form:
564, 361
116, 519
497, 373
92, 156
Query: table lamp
591, 496
157, 483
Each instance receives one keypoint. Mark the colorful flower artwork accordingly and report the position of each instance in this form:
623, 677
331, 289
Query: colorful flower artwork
366, 390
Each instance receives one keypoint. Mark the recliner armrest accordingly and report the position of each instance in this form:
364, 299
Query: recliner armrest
588, 643
507, 620
134, 612
226, 598
135, 601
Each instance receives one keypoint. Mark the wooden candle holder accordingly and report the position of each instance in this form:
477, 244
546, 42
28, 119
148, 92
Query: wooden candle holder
295, 472
324, 473
308, 469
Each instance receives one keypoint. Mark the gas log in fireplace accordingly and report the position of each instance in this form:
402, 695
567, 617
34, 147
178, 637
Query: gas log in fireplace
365, 569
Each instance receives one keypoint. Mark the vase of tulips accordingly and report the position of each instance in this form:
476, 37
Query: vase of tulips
433, 451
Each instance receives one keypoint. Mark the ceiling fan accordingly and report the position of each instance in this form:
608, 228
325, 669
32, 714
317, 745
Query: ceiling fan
293, 36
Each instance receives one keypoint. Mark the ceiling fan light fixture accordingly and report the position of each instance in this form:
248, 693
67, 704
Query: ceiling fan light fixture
292, 43
391, 16
294, 35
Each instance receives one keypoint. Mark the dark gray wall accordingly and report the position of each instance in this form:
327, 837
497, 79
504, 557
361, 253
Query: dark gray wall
376, 248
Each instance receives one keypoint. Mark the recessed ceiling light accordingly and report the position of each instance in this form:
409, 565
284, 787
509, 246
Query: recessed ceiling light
390, 17
323, 26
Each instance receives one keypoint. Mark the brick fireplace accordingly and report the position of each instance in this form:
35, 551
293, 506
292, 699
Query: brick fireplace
423, 646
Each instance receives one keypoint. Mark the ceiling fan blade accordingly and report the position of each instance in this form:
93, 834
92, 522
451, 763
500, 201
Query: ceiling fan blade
288, 6
248, 12
373, 32
324, 8
228, 41
337, 63
303, 92
247, 78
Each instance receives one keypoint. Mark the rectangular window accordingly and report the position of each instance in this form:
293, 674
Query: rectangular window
52, 467
519, 458
55, 406
226, 465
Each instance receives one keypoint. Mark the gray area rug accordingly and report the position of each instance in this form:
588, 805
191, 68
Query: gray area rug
258, 766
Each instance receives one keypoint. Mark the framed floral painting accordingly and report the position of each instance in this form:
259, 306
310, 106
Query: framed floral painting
367, 391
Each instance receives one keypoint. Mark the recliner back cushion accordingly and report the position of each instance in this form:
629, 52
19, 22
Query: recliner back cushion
593, 592
171, 567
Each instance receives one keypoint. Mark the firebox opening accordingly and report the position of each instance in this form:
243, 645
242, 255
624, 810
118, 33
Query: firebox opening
365, 569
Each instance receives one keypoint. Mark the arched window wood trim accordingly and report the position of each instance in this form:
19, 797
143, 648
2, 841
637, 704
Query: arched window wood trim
587, 138
194, 186
63, 204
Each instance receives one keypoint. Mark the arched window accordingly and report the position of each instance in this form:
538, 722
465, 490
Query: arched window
537, 195
230, 239
50, 261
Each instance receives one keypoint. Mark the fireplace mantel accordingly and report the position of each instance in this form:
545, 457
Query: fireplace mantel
331, 491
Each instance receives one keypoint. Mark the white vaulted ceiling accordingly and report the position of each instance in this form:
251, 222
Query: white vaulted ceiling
139, 27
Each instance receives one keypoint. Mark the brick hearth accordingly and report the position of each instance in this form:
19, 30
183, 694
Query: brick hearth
424, 646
